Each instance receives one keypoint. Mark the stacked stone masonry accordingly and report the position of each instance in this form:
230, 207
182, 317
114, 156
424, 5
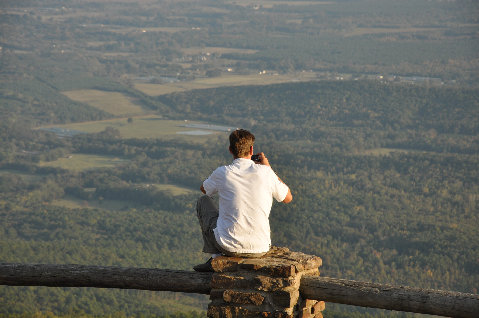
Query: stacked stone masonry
263, 287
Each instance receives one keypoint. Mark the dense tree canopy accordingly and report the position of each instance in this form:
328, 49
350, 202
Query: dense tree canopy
384, 200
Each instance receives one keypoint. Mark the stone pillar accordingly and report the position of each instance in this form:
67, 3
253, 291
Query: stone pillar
263, 287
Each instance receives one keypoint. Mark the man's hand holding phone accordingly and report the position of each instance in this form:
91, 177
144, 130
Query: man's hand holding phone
260, 158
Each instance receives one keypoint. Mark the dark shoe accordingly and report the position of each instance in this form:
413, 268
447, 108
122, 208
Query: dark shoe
206, 267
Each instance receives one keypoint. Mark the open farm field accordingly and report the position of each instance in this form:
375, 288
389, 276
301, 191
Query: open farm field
145, 127
216, 50
83, 162
384, 151
71, 202
363, 31
110, 205
173, 189
226, 80
95, 44
111, 102
126, 30
268, 4
58, 16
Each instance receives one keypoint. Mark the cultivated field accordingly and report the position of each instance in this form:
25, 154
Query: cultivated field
226, 80
114, 103
111, 205
173, 189
216, 50
385, 151
268, 4
117, 205
364, 31
126, 30
83, 162
148, 126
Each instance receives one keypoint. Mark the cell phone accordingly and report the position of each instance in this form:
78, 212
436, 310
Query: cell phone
256, 158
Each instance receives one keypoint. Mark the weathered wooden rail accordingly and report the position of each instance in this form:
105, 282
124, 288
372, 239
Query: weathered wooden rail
104, 277
400, 298
436, 302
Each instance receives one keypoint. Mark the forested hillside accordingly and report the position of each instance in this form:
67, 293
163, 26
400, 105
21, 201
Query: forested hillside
368, 114
382, 191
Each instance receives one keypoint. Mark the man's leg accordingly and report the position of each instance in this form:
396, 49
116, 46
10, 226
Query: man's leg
207, 213
245, 255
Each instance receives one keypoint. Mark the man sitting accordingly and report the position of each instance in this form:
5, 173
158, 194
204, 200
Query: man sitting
246, 188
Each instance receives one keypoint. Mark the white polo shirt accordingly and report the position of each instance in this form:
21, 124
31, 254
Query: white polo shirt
246, 192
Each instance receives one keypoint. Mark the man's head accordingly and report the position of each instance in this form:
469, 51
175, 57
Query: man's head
241, 142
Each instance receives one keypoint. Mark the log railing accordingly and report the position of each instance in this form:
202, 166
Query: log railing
400, 298
104, 277
442, 303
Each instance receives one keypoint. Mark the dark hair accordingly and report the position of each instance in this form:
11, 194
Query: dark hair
240, 142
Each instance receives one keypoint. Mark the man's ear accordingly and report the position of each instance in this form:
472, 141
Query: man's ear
251, 150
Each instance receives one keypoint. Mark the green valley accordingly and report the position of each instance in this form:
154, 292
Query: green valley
114, 112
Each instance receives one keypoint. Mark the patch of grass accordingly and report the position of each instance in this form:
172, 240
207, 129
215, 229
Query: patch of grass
82, 162
114, 103
110, 205
216, 50
71, 202
141, 127
225, 80
162, 89
364, 31
126, 30
173, 189
388, 151
268, 4
383, 151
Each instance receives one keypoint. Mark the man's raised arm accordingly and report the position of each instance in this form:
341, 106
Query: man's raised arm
264, 161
